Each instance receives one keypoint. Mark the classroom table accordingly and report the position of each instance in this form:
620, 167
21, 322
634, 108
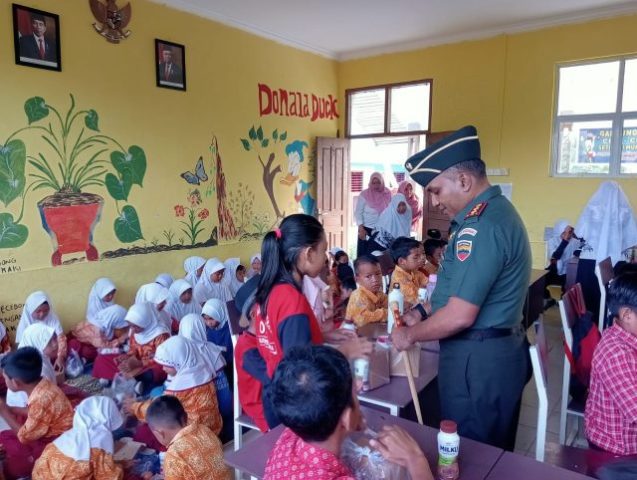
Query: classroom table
519, 467
396, 394
377, 329
476, 459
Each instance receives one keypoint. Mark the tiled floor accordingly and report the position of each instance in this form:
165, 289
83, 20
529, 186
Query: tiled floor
527, 427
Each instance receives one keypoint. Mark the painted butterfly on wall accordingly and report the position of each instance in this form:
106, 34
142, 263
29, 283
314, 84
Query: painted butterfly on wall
199, 176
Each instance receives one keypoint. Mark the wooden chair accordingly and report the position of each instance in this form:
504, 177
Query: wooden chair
572, 306
240, 420
604, 273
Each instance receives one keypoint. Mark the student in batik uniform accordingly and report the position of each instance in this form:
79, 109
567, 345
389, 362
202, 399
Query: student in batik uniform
193, 451
312, 393
409, 257
38, 308
49, 412
368, 303
86, 451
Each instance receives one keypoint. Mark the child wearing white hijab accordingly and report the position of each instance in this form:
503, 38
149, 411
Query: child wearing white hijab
234, 276
38, 309
181, 302
157, 296
164, 279
101, 296
194, 268
85, 451
106, 330
255, 266
394, 222
189, 379
211, 284
5, 342
43, 338
216, 317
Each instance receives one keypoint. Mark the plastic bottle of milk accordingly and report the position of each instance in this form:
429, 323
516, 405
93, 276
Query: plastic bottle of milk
448, 450
395, 302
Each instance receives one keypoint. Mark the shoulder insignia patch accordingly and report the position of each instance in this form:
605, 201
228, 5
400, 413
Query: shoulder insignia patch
477, 210
463, 249
468, 231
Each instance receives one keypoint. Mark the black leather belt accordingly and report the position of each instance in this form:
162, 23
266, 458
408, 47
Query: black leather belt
484, 334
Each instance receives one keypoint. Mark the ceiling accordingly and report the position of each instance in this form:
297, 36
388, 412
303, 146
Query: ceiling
348, 29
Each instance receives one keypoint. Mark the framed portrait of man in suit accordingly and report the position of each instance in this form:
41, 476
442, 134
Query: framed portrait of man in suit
36, 38
170, 59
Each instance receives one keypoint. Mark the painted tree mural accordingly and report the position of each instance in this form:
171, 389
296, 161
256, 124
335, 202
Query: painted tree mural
227, 229
258, 143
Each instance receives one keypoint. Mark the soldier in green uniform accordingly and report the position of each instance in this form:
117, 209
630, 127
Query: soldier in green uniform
478, 301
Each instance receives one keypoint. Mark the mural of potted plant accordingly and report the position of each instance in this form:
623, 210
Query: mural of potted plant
196, 216
75, 162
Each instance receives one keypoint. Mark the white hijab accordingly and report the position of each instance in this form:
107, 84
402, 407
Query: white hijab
230, 277
101, 288
109, 319
31, 304
251, 271
191, 265
183, 356
165, 280
192, 328
556, 240
206, 288
313, 290
37, 336
93, 424
154, 294
218, 310
141, 315
393, 223
607, 223
175, 307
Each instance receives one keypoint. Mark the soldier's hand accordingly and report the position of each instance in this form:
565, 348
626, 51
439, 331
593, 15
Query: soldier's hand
400, 338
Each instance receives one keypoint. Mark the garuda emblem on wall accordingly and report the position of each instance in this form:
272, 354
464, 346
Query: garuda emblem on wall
111, 20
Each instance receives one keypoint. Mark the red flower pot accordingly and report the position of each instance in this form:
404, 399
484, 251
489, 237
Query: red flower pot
69, 218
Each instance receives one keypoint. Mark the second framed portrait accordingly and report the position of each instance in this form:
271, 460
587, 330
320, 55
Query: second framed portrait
170, 61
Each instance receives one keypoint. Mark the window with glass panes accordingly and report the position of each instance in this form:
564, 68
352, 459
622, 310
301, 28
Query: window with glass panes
595, 126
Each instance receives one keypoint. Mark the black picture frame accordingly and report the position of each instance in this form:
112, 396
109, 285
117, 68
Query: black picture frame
29, 50
170, 74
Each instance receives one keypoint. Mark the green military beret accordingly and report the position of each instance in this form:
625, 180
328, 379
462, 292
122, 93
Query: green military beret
460, 146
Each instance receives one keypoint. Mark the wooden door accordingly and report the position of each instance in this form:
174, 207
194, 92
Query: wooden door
332, 188
432, 216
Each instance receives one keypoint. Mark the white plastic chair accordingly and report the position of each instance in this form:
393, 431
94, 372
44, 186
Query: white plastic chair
568, 407
240, 420
604, 274
539, 360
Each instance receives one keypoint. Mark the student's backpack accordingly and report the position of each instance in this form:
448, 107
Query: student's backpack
586, 336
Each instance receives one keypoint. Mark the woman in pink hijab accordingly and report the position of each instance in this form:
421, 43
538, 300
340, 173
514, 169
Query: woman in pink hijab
371, 203
407, 189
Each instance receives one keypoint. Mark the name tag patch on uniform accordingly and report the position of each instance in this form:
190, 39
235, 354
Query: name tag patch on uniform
468, 231
463, 249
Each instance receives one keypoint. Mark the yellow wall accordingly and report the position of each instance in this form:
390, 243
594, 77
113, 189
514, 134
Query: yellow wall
224, 67
504, 86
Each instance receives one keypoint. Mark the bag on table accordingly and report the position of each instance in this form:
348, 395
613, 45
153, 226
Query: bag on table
366, 463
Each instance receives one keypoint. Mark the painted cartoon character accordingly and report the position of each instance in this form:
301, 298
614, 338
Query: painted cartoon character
589, 147
294, 151
303, 196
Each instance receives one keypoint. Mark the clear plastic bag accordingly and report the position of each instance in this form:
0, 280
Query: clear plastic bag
74, 366
366, 463
121, 388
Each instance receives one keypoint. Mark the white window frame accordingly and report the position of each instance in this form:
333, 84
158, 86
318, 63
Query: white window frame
617, 118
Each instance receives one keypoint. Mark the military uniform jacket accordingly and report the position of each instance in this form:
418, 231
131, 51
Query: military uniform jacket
487, 261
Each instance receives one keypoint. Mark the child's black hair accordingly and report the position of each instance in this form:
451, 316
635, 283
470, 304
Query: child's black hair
344, 271
348, 284
340, 254
365, 260
25, 364
241, 268
310, 390
167, 411
431, 245
402, 247
279, 255
622, 292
